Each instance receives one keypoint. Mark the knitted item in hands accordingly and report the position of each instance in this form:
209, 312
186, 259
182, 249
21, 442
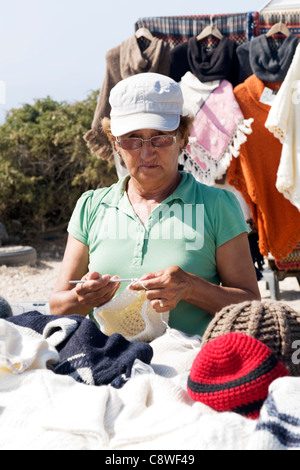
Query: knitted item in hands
131, 315
233, 373
273, 323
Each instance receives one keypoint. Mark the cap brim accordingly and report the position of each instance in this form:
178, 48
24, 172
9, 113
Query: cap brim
134, 122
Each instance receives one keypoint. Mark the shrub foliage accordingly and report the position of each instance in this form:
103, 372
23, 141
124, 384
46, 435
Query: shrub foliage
45, 165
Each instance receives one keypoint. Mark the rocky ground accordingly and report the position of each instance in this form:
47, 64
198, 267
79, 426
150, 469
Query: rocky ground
25, 284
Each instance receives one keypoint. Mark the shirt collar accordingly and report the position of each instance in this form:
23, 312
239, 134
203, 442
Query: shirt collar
186, 191
116, 192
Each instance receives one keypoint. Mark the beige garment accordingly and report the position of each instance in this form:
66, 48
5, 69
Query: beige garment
122, 62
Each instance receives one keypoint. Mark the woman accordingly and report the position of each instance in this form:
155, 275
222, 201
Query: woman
187, 242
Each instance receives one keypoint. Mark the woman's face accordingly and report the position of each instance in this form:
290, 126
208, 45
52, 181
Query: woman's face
150, 163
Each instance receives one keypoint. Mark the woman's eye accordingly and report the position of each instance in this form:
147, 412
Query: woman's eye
131, 136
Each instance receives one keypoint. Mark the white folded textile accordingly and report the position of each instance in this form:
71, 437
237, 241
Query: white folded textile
40, 410
23, 349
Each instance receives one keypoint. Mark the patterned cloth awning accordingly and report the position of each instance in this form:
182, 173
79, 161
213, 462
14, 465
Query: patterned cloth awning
241, 27
178, 29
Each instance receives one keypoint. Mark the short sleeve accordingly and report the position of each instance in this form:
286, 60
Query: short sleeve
79, 223
229, 220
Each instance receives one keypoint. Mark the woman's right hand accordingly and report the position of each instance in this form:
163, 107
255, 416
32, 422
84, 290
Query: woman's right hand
80, 300
97, 290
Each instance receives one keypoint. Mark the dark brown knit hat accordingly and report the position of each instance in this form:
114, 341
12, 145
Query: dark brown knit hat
273, 323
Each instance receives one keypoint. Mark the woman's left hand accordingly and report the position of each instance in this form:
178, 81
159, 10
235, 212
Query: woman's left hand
164, 288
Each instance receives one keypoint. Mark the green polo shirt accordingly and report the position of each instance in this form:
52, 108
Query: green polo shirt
184, 230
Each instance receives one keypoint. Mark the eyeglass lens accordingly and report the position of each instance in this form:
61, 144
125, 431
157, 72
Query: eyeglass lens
157, 141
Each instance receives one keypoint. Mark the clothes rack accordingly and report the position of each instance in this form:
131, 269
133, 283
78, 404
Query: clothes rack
241, 27
178, 29
266, 20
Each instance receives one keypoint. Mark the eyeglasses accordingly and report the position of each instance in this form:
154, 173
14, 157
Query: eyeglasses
135, 143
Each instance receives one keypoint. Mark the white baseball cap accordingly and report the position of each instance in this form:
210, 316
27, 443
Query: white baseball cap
145, 101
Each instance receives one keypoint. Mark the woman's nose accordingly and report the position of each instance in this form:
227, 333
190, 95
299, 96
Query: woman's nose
147, 149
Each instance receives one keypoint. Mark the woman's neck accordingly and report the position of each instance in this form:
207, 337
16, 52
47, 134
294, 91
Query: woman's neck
145, 199
140, 193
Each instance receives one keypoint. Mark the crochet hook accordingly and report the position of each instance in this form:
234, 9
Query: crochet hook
112, 280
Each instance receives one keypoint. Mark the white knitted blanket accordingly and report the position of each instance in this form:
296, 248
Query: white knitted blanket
40, 410
284, 122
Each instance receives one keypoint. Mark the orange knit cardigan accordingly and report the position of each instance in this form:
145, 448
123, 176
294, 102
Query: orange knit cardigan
254, 174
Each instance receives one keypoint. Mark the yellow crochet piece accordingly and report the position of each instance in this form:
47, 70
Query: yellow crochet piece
131, 315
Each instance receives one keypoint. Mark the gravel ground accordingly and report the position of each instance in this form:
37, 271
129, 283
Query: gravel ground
27, 284
34, 284
22, 284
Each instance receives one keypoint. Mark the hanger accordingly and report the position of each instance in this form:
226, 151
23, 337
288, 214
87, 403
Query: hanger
143, 32
210, 30
279, 28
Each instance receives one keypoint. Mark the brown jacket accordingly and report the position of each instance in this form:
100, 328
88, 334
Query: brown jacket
122, 62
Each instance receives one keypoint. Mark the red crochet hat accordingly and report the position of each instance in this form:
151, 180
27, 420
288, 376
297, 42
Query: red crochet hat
233, 373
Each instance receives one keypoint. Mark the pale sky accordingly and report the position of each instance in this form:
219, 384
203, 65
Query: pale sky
58, 47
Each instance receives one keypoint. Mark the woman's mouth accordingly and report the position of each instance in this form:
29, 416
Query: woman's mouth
148, 166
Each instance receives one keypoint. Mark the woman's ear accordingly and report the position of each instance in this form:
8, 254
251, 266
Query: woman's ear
181, 142
117, 147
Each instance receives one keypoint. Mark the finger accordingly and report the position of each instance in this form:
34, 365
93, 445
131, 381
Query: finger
92, 276
154, 282
156, 294
154, 275
117, 284
104, 298
91, 285
140, 285
95, 276
160, 305
98, 297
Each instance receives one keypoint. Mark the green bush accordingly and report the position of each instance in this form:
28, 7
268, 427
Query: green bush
45, 165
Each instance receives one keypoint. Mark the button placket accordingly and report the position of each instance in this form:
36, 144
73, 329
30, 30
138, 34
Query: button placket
141, 235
